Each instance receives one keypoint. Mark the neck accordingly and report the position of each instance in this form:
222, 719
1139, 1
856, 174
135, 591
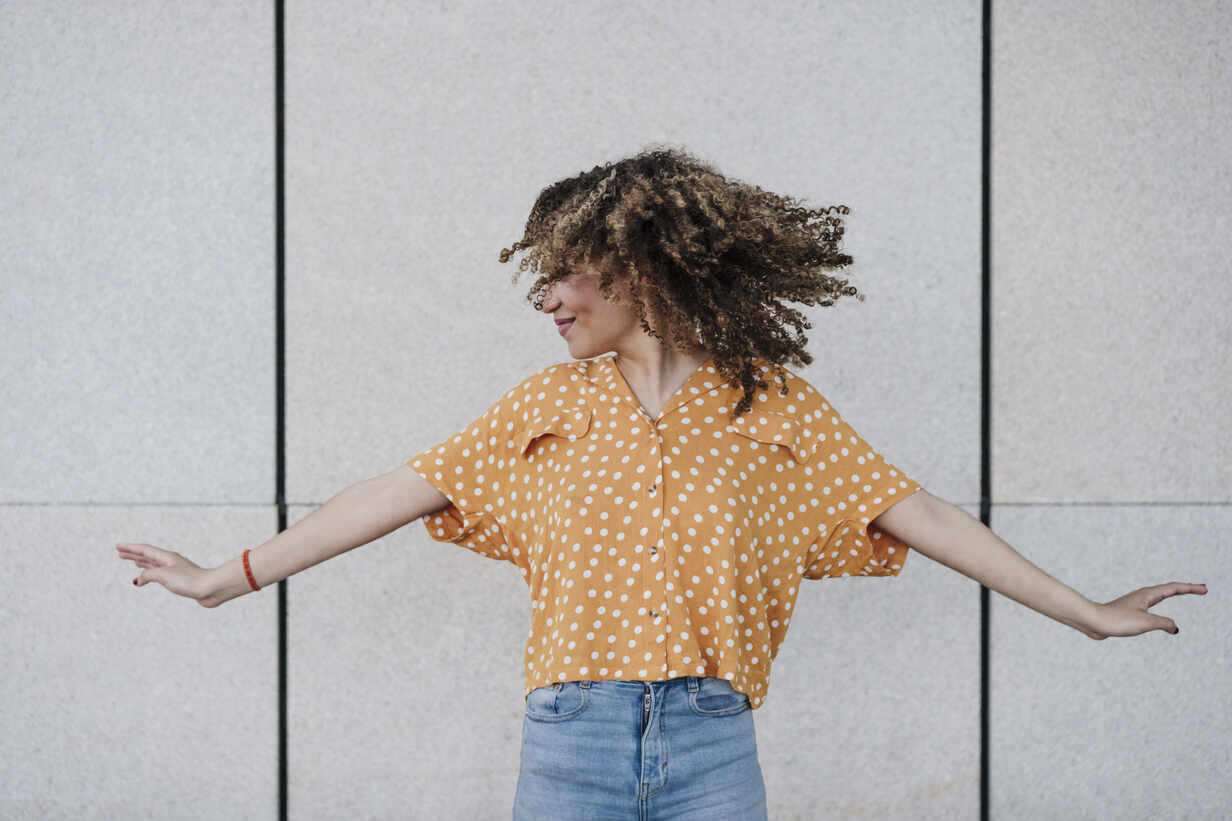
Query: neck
656, 375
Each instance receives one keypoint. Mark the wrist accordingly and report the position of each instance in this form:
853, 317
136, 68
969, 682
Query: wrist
1087, 621
227, 581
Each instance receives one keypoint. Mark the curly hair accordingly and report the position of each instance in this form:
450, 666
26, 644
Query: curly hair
718, 256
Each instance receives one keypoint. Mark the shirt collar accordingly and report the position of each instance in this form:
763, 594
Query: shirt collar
607, 376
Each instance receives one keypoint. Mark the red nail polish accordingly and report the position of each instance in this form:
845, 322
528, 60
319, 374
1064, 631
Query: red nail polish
134, 581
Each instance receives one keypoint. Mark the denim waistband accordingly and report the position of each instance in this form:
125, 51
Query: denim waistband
692, 682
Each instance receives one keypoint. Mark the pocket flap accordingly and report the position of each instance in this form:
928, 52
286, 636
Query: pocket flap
567, 423
772, 428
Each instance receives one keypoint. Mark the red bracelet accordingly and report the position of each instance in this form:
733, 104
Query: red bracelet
248, 572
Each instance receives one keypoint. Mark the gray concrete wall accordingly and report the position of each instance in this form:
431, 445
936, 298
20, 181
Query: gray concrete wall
137, 256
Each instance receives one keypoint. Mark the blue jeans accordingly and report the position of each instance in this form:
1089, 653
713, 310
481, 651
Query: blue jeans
682, 749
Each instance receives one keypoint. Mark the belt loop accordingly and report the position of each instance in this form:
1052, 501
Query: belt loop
585, 683
692, 684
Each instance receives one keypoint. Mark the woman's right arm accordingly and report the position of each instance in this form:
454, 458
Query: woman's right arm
355, 516
361, 513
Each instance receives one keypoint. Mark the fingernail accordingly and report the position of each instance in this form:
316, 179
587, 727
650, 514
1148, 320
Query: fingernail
134, 581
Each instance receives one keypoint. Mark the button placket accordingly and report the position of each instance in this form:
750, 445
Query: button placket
659, 614
655, 613
650, 566
655, 484
656, 448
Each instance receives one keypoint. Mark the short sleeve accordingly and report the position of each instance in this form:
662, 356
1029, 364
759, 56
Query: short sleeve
855, 485
467, 467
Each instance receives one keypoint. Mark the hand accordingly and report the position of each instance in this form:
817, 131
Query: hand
1128, 616
170, 569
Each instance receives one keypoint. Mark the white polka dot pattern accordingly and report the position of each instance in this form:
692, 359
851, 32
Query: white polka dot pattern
660, 548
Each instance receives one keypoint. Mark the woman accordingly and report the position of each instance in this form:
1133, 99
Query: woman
663, 494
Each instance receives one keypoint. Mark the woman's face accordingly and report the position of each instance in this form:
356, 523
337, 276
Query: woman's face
597, 325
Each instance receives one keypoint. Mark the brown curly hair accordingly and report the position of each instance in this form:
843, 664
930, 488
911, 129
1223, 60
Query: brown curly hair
718, 255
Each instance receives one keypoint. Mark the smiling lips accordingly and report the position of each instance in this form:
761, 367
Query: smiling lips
564, 327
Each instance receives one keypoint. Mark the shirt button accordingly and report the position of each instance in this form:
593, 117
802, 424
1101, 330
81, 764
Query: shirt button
653, 550
652, 488
654, 613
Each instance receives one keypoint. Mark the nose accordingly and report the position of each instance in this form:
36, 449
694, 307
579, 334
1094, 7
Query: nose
547, 302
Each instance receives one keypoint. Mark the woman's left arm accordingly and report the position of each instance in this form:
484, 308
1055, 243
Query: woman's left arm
949, 535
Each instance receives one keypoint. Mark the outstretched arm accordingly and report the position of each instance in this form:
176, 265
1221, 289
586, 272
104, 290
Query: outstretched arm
354, 516
949, 535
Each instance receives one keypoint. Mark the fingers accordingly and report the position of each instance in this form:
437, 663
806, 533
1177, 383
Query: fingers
138, 557
145, 555
1177, 588
132, 551
153, 575
1159, 592
140, 561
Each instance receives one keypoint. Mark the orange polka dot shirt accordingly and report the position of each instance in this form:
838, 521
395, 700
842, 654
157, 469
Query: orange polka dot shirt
669, 547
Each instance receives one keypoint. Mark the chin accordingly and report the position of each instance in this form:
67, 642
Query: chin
582, 351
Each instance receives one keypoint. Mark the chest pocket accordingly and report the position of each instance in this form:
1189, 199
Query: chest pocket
570, 424
772, 428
